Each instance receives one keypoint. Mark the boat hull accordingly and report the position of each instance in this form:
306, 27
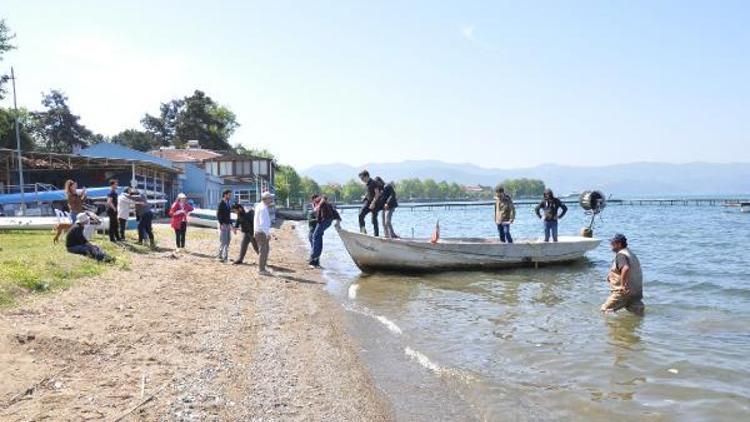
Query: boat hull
40, 223
378, 254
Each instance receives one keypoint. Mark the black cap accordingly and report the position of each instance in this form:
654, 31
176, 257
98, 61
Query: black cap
620, 238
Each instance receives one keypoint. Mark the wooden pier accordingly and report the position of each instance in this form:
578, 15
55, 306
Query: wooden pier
660, 202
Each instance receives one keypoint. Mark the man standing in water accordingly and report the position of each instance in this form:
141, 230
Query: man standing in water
262, 228
550, 205
224, 216
625, 279
505, 214
369, 204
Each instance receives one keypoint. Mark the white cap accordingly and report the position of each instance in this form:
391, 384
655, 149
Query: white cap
82, 218
181, 196
266, 194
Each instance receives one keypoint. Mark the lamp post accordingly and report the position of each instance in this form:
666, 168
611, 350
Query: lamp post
18, 145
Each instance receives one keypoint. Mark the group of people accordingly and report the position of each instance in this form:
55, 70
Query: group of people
379, 196
549, 210
255, 225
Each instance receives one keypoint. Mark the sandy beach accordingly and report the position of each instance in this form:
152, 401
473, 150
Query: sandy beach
187, 338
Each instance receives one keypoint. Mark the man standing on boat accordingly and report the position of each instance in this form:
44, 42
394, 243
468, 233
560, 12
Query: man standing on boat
625, 279
551, 206
505, 214
370, 202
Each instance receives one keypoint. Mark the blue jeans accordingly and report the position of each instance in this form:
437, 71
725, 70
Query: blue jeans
225, 239
88, 250
317, 241
503, 230
550, 228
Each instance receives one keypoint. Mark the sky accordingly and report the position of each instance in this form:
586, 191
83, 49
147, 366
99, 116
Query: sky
498, 84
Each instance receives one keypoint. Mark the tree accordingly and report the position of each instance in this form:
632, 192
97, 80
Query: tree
136, 139
196, 117
523, 187
57, 129
352, 191
5, 46
332, 191
308, 187
8, 129
252, 152
287, 184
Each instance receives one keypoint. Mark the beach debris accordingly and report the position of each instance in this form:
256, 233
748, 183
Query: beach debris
436, 233
673, 371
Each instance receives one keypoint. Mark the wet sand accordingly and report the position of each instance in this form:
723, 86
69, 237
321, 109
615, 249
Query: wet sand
187, 338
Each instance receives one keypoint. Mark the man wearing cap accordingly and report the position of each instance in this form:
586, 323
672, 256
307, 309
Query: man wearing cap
625, 279
76, 242
262, 229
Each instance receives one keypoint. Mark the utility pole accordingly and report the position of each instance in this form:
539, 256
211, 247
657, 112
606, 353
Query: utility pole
18, 144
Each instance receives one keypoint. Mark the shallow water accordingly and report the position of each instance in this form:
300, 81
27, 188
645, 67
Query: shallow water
531, 343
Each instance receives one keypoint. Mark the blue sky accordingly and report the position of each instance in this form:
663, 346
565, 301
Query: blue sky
499, 84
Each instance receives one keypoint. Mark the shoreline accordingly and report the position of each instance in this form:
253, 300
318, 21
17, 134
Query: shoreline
188, 338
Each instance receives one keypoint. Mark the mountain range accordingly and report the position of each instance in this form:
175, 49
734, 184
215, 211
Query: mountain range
644, 178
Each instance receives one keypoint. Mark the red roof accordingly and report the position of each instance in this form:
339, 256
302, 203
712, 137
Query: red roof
190, 155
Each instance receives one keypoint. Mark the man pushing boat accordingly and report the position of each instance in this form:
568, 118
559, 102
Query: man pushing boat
625, 279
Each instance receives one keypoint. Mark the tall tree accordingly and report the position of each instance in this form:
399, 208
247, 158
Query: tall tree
8, 129
287, 184
136, 139
57, 129
5, 46
253, 152
197, 117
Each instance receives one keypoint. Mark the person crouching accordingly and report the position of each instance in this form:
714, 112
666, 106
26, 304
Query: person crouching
625, 279
76, 242
247, 225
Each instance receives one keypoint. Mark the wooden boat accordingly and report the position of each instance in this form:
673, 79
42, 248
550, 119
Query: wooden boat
376, 253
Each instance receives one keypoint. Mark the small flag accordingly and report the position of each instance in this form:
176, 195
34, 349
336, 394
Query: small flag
436, 234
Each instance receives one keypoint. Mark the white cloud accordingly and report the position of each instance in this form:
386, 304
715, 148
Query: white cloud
468, 32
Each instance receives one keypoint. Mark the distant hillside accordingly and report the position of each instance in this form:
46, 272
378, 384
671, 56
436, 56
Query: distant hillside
619, 180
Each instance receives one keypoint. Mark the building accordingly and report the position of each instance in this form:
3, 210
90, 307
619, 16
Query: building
45, 172
208, 173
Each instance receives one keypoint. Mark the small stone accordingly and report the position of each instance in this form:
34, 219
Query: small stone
673, 370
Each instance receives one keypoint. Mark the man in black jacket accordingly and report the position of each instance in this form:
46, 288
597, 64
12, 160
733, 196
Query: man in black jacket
247, 225
114, 231
551, 206
326, 214
370, 202
224, 217
76, 242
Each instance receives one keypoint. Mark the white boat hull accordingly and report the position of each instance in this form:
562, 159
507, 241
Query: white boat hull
374, 253
40, 223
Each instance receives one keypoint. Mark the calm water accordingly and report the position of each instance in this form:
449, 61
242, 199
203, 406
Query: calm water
531, 344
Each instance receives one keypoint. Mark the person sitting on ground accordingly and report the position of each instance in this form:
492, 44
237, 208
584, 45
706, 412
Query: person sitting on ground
76, 242
325, 216
246, 224
550, 205
370, 202
505, 214
625, 279
262, 229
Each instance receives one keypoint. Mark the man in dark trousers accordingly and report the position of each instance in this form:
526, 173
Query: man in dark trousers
551, 206
114, 231
246, 224
144, 213
370, 202
76, 242
224, 217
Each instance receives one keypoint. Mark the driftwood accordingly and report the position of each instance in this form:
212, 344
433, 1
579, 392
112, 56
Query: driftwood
143, 402
30, 390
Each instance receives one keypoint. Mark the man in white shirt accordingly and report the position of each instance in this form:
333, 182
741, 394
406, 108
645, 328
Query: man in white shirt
262, 223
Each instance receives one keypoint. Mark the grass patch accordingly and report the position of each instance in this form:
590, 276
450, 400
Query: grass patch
30, 263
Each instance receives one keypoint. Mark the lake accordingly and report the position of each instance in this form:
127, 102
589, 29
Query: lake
530, 344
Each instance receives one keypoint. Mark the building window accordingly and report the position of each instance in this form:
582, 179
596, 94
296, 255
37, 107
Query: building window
225, 168
244, 168
244, 196
263, 168
213, 168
